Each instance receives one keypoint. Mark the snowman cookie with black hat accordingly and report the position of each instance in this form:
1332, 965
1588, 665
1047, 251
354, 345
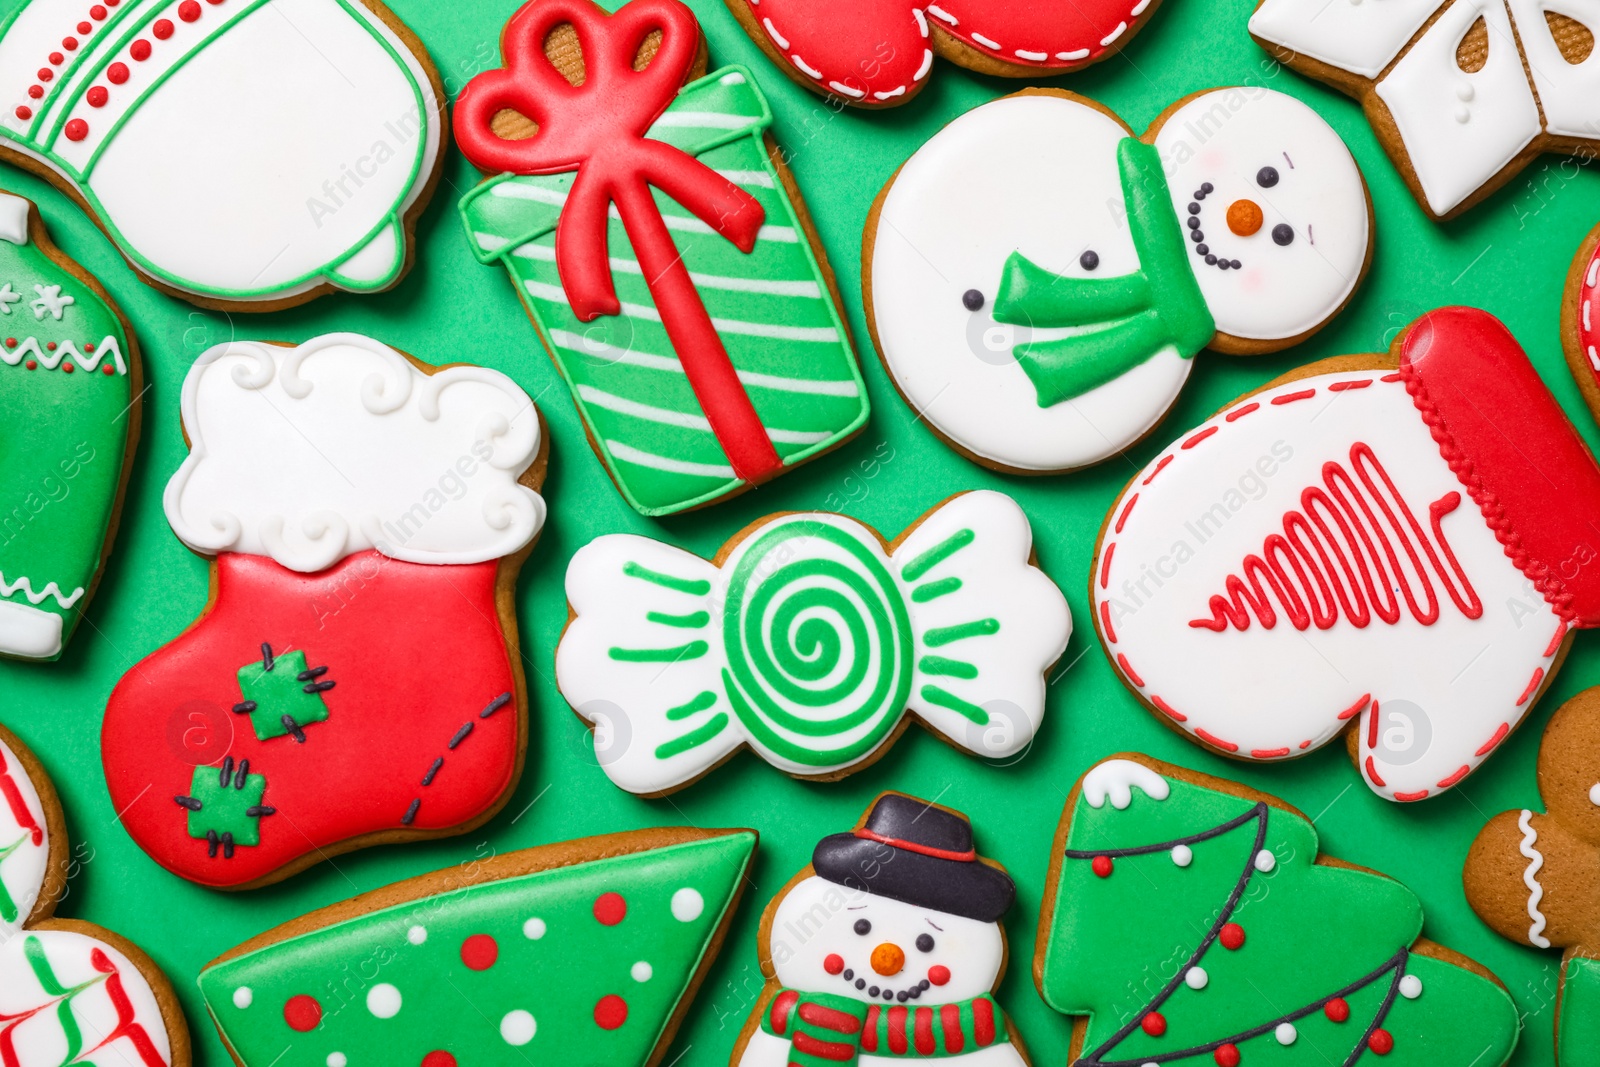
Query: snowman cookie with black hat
887, 947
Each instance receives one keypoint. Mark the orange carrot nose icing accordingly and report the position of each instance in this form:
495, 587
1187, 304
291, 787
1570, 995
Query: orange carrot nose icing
888, 959
1244, 217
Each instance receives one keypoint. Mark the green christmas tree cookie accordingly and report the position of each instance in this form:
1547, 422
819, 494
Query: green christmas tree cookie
1188, 921
577, 952
69, 379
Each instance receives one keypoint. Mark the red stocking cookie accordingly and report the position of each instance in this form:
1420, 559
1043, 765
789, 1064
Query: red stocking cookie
887, 946
1380, 544
355, 677
878, 53
1530, 875
70, 991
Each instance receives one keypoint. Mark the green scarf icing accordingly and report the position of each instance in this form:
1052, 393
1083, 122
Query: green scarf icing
826, 1030
1119, 946
1123, 321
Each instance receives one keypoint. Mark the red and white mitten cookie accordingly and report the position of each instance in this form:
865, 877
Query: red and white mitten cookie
878, 53
1392, 542
354, 678
70, 992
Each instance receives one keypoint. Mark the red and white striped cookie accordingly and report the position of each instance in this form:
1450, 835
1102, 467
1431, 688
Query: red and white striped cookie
1404, 542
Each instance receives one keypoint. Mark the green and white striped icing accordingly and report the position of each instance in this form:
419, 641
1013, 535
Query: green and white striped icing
772, 309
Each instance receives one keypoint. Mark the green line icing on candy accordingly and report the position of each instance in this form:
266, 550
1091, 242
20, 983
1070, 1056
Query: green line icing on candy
584, 963
1186, 920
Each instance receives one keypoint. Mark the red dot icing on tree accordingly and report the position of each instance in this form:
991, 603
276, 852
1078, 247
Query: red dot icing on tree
162, 29
24, 111
938, 974
834, 963
188, 11
66, 368
85, 28
302, 1013
97, 96
611, 1012
438, 1057
1102, 866
77, 130
69, 43
1154, 1024
1232, 936
117, 73
1381, 1042
139, 50
36, 91
107, 369
610, 909
57, 58
479, 952
1337, 1009
1227, 1056
45, 74
97, 12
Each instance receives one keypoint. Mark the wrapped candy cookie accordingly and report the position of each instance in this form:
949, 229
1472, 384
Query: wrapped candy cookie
1393, 548
354, 678
1039, 280
809, 639
242, 154
662, 250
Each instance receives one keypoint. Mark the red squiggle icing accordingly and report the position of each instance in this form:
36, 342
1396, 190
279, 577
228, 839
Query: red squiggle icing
1337, 548
128, 1025
19, 807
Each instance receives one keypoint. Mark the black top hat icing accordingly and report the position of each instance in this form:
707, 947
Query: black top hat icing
910, 851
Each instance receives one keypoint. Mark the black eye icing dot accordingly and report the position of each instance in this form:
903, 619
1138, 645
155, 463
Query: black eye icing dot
972, 300
1283, 234
863, 927
1089, 260
924, 943
1267, 177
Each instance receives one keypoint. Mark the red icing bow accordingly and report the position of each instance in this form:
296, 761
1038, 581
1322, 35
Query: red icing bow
599, 129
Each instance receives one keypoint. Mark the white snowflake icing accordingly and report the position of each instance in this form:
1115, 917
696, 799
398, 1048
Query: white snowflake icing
51, 300
8, 296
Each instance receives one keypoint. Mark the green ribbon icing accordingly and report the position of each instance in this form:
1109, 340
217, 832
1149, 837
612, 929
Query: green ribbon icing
1119, 946
553, 959
1120, 322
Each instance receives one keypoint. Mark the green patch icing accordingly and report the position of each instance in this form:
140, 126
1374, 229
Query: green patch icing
281, 691
1120, 944
586, 963
226, 800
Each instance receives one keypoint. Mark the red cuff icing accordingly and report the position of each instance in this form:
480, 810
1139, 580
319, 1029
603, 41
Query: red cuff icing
1510, 444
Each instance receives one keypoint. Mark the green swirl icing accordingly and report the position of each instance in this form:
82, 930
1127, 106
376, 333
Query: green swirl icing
805, 600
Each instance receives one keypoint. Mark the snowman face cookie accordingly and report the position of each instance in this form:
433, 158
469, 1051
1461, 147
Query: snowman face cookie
1038, 280
870, 945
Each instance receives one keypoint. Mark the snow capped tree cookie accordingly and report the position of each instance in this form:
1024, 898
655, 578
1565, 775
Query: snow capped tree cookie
70, 991
586, 951
812, 641
1387, 547
320, 124
1038, 280
354, 678
887, 947
1186, 921
1463, 95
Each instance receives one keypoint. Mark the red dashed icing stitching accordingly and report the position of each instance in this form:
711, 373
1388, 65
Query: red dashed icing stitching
1460, 773
1127, 668
1132, 500
1354, 709
1499, 736
1105, 621
1339, 387
1268, 753
1290, 398
1407, 798
1169, 710
1105, 566
1212, 739
1372, 773
1159, 468
1239, 413
1555, 642
1201, 436
1533, 686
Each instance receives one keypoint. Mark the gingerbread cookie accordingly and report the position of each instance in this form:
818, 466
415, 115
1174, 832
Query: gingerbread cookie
586, 951
355, 677
1186, 921
1038, 280
1389, 545
70, 991
809, 639
70, 389
1580, 320
320, 121
879, 53
698, 328
1461, 94
887, 946
1530, 875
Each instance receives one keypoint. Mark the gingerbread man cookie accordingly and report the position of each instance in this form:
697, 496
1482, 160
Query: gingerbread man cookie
879, 53
1391, 546
355, 677
1190, 921
888, 946
1531, 875
70, 991
1462, 94
242, 154
1038, 280
812, 641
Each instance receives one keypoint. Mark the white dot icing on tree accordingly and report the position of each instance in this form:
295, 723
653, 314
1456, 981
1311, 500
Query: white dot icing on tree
533, 929
242, 997
383, 1000
642, 971
417, 935
518, 1027
1286, 1033
1411, 987
1114, 780
337, 1059
1196, 978
1182, 855
1265, 861
687, 904
1530, 878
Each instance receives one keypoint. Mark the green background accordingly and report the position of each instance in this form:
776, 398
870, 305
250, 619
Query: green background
1509, 255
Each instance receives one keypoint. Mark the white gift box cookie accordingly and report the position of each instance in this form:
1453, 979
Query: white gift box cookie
808, 639
1396, 545
241, 153
1038, 280
1463, 95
